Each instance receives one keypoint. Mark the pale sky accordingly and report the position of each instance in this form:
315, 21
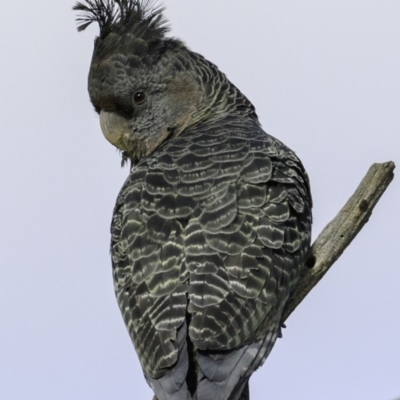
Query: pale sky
324, 78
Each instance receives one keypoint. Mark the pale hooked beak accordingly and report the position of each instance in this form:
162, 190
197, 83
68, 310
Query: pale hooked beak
115, 128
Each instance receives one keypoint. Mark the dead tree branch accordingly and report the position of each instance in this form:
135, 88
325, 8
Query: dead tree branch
340, 232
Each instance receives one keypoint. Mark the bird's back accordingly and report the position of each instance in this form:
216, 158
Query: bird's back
208, 237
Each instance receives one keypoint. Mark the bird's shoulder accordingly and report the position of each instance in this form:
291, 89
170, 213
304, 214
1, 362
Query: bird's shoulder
193, 169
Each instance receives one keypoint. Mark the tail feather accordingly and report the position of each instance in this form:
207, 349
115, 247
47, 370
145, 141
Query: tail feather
172, 385
221, 375
225, 375
245, 395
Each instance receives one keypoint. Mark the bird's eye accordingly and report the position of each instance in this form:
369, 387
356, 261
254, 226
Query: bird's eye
139, 97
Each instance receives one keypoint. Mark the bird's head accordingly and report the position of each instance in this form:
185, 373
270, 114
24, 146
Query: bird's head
140, 82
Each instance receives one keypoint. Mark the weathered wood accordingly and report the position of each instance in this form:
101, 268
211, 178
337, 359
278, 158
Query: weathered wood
340, 232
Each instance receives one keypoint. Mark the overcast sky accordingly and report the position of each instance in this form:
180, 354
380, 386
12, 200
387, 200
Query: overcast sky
325, 79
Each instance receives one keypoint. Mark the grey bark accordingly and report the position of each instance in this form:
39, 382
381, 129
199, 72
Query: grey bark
340, 232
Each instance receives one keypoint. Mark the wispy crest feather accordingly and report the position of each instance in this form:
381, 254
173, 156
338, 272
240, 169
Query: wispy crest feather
114, 15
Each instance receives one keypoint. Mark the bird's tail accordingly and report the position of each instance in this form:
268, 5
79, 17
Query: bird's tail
221, 375
245, 395
225, 375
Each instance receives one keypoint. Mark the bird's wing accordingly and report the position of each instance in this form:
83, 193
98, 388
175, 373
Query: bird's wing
248, 235
211, 231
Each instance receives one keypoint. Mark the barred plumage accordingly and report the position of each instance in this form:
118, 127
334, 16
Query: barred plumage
212, 226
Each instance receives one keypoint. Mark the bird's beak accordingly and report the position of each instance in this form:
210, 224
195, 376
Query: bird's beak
115, 128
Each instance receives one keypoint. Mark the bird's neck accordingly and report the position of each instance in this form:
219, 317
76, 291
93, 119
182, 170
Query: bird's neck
220, 98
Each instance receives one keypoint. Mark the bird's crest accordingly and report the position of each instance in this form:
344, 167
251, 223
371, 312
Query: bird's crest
142, 16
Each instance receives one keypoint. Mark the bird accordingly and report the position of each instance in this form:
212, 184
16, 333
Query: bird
211, 229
